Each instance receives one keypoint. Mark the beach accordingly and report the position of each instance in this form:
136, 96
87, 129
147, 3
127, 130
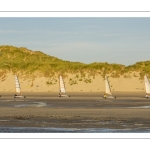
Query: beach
80, 111
85, 109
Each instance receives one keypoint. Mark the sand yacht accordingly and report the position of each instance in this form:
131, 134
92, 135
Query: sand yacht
108, 93
147, 86
18, 89
62, 88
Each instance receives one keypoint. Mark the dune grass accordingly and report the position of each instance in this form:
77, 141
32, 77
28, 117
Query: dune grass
30, 63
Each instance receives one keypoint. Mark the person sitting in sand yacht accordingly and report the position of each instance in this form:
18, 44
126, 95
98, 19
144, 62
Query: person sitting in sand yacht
105, 96
59, 94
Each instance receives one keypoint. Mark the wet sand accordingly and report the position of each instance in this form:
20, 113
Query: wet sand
81, 110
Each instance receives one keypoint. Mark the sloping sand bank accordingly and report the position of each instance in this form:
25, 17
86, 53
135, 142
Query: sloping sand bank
73, 83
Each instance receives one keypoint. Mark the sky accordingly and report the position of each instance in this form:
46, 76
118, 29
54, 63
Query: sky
121, 40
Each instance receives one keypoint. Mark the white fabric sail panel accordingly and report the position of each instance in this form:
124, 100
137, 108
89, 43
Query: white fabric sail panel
18, 90
147, 84
62, 85
108, 90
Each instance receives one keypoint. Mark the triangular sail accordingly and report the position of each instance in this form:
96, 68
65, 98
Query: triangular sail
147, 84
62, 85
108, 90
18, 89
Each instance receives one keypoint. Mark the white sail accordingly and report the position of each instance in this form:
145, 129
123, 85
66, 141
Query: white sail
62, 85
147, 84
18, 89
108, 90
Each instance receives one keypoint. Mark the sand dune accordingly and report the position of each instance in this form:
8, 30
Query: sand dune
73, 83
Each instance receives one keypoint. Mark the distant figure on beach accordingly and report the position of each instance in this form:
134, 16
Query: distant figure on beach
146, 95
59, 94
104, 96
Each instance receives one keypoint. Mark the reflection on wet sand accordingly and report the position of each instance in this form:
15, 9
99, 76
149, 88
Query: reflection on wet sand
33, 104
75, 114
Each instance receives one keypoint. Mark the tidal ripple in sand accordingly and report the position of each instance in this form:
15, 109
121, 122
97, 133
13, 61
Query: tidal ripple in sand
33, 104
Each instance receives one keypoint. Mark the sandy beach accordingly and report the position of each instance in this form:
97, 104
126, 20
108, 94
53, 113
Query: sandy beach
129, 111
86, 108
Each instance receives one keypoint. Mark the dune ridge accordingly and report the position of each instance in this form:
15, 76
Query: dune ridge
39, 72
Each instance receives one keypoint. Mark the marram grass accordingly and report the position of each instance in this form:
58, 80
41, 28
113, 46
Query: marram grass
30, 63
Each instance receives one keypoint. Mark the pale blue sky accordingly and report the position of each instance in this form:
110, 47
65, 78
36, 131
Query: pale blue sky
113, 40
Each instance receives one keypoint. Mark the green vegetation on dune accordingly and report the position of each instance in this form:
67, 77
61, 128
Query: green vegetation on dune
28, 63
141, 67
